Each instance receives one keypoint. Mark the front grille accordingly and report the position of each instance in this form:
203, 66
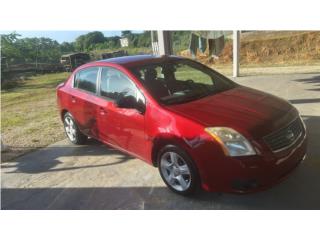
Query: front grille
285, 137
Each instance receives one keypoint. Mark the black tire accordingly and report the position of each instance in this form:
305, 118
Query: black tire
79, 137
194, 185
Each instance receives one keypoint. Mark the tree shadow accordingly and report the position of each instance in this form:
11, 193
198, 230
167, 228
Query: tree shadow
19, 82
314, 81
313, 89
308, 100
13, 81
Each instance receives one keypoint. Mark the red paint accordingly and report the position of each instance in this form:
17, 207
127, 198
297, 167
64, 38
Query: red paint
252, 113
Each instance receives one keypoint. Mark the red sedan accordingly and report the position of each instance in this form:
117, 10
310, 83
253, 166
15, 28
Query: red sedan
199, 128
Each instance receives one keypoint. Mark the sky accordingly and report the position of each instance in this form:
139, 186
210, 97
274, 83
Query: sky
62, 36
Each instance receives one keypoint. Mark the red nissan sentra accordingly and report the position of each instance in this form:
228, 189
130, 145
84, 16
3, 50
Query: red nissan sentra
199, 128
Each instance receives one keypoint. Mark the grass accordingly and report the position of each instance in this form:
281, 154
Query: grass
29, 115
269, 35
131, 51
264, 69
184, 73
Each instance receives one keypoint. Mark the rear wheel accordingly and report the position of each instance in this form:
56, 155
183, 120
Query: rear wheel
72, 130
178, 170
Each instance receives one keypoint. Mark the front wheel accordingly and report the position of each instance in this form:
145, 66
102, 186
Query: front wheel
178, 170
72, 130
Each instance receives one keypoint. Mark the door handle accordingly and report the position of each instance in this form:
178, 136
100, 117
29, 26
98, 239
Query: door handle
73, 99
102, 111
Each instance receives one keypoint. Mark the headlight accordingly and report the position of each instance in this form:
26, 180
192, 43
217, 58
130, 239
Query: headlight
232, 142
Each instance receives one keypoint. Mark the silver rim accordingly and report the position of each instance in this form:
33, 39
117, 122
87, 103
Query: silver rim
175, 171
70, 128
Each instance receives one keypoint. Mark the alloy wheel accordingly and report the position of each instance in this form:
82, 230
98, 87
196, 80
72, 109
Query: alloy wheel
175, 171
70, 128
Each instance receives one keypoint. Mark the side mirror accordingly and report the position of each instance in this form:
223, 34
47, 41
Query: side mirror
130, 102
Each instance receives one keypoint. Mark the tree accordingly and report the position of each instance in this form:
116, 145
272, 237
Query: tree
126, 33
8, 48
67, 47
144, 39
86, 41
29, 50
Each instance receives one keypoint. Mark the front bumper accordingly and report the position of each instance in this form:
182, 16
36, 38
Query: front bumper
252, 173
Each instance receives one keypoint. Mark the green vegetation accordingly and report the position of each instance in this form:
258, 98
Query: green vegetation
45, 50
15, 50
29, 116
181, 41
95, 41
30, 50
185, 72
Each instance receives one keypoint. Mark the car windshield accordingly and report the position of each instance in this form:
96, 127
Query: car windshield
179, 81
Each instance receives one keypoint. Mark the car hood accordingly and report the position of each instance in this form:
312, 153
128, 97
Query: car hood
244, 109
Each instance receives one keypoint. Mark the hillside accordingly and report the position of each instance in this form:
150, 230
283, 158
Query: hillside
271, 48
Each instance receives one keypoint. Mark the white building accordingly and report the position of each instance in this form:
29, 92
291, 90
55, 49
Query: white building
124, 42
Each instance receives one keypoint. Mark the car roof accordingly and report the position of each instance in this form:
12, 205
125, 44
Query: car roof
136, 60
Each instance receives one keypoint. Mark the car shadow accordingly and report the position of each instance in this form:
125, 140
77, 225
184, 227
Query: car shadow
32, 163
300, 190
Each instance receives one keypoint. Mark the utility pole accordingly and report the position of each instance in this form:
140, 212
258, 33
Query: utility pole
154, 44
37, 49
236, 53
3, 147
165, 43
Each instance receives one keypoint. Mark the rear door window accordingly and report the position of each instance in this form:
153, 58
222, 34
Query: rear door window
86, 79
